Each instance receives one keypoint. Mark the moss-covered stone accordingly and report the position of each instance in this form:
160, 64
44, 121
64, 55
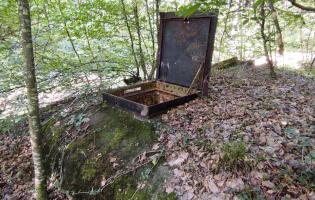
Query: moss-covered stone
115, 134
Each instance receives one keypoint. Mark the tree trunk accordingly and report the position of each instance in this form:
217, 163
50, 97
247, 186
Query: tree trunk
306, 8
142, 62
224, 27
265, 41
32, 97
152, 39
157, 24
274, 16
72, 43
130, 36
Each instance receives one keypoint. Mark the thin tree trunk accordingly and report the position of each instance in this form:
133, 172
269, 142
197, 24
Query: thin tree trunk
130, 36
157, 18
157, 23
224, 28
265, 40
72, 43
98, 66
152, 38
32, 97
274, 16
68, 33
142, 62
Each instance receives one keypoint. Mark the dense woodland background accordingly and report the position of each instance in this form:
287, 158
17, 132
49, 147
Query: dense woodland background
93, 45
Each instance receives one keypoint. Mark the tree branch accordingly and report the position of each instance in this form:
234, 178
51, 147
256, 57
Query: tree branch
306, 8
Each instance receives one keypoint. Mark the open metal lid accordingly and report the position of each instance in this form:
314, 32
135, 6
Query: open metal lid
184, 45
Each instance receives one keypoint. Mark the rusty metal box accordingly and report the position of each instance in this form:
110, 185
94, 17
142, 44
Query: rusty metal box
184, 52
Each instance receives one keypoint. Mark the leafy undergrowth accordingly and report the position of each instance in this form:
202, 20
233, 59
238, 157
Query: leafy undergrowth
16, 174
253, 138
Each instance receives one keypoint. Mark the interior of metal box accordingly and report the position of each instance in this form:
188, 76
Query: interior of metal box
152, 97
151, 93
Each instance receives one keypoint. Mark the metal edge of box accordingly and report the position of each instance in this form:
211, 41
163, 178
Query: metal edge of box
156, 109
144, 110
125, 104
172, 15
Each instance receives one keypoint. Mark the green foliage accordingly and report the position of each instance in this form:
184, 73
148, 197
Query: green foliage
209, 147
307, 178
187, 11
100, 37
302, 175
233, 157
250, 193
12, 124
130, 191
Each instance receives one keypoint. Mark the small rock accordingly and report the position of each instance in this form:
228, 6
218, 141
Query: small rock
213, 187
311, 196
268, 184
284, 123
188, 195
20, 174
11, 197
270, 191
277, 129
246, 139
235, 183
262, 140
169, 189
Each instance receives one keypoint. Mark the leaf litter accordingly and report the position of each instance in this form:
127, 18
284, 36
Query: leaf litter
274, 119
252, 138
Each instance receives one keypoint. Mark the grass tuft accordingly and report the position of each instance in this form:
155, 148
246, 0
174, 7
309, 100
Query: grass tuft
234, 157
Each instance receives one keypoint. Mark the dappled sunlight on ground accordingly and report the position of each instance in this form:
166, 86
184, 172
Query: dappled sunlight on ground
292, 60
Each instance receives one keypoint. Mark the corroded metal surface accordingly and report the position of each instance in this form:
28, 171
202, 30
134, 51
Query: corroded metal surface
185, 44
152, 97
173, 89
124, 90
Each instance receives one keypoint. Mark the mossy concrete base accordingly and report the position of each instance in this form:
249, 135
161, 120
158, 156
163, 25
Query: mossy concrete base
117, 138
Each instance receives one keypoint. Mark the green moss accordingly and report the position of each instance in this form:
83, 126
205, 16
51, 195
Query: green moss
88, 170
143, 194
121, 131
209, 147
126, 188
118, 136
114, 134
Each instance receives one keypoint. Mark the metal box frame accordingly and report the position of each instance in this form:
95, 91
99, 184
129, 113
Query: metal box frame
184, 46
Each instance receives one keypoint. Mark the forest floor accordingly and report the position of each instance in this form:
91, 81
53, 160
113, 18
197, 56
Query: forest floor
253, 138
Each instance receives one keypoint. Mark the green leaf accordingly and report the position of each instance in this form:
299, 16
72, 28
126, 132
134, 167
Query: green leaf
187, 11
245, 21
291, 132
154, 161
312, 154
257, 3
